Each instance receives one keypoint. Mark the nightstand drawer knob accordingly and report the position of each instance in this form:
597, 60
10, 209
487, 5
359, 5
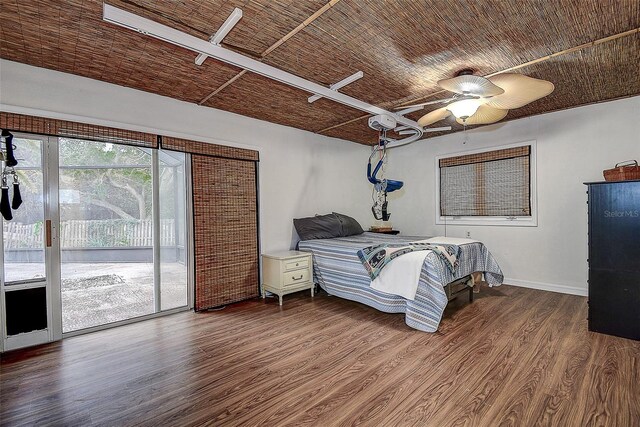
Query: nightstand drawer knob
297, 264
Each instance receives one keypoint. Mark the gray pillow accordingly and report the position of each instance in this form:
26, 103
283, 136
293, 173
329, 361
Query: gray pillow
350, 226
318, 227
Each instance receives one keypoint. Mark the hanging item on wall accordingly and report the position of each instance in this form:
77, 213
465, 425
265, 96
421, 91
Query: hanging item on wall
8, 172
381, 185
17, 197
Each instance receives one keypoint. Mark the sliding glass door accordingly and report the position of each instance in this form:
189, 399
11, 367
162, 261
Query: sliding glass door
102, 236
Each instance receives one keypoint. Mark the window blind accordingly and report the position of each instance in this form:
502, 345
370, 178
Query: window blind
225, 220
207, 149
225, 214
89, 132
492, 183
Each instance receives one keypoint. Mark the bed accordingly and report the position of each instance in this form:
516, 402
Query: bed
339, 271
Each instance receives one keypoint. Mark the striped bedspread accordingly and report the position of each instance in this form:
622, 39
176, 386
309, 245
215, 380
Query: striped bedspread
338, 270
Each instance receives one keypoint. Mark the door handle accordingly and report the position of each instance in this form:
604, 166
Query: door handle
47, 230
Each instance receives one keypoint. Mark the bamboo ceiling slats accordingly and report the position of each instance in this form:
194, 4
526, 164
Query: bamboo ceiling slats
272, 100
403, 47
79, 42
584, 77
588, 76
267, 21
315, 15
412, 45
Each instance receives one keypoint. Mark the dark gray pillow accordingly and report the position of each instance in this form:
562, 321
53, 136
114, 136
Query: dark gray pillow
318, 227
350, 226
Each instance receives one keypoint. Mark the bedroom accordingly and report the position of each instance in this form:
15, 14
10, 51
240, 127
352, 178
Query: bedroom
62, 61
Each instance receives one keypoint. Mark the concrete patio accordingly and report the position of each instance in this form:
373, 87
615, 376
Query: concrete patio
99, 293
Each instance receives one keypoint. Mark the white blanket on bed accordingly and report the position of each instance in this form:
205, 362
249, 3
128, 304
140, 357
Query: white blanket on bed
402, 275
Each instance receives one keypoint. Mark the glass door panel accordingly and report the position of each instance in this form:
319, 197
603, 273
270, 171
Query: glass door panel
106, 233
23, 236
26, 296
172, 201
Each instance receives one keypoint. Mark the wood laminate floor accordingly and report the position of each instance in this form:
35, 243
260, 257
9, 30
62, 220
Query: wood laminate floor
515, 356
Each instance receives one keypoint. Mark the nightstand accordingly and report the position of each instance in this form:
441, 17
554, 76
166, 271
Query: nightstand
286, 272
394, 232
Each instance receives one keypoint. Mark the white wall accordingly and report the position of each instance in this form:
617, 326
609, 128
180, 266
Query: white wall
573, 146
301, 173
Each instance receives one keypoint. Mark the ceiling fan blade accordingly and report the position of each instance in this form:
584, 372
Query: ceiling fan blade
468, 84
434, 116
485, 115
519, 90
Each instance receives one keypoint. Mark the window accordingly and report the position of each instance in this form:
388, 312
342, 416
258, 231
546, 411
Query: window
494, 187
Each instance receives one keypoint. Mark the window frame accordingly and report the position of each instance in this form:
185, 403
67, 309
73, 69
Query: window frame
528, 221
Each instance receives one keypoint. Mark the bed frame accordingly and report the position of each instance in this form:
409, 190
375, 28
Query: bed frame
464, 284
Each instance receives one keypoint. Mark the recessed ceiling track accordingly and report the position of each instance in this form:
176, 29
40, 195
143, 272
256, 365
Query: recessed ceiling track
150, 28
222, 32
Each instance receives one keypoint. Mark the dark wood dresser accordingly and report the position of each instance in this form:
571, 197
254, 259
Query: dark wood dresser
614, 258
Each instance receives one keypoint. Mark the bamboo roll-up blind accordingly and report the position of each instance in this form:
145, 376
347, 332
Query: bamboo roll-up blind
492, 183
486, 156
225, 230
215, 150
69, 129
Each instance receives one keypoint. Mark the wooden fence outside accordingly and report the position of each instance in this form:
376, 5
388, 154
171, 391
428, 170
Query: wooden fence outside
91, 234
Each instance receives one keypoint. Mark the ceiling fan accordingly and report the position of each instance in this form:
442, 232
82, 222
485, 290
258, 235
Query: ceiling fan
479, 100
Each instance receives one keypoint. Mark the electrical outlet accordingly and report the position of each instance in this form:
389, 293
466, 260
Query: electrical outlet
468, 234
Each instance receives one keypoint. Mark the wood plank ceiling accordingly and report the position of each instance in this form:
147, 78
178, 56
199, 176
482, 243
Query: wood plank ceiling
403, 47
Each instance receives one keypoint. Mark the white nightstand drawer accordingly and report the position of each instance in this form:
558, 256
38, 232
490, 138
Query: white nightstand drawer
293, 278
296, 264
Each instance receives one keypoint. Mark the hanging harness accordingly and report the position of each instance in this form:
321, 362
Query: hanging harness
381, 186
8, 171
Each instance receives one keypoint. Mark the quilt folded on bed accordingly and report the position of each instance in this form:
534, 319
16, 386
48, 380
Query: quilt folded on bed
375, 258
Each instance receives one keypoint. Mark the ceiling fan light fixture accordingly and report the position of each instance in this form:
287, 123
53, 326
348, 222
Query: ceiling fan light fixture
468, 84
464, 109
484, 116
